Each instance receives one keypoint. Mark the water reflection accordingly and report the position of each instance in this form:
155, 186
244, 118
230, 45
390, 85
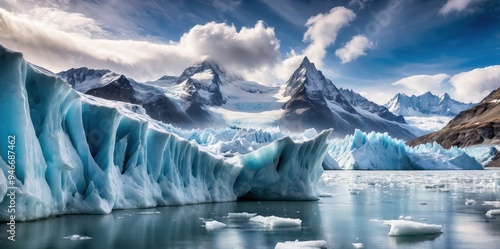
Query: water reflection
341, 220
172, 227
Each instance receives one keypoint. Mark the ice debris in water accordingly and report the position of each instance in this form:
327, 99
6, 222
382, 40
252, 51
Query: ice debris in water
243, 215
311, 244
492, 203
412, 228
358, 245
77, 237
469, 202
274, 221
212, 225
493, 212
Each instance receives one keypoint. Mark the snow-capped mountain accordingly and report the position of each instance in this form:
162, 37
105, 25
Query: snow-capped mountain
315, 102
202, 83
355, 99
109, 85
426, 104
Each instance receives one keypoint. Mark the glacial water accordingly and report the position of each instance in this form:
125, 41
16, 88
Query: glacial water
356, 202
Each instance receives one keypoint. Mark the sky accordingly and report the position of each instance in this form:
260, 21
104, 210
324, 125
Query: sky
375, 47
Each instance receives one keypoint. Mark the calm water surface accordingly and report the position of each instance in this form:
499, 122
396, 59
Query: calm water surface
357, 198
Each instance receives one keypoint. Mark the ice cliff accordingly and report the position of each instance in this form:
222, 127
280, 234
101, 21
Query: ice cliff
379, 151
81, 154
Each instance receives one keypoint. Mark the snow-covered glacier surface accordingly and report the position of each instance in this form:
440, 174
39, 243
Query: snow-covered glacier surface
379, 151
81, 154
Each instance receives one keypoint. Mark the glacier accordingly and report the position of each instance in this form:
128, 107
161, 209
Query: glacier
81, 154
379, 151
77, 153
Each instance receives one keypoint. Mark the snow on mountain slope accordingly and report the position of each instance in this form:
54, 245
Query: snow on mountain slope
111, 86
425, 104
315, 102
225, 99
355, 99
82, 154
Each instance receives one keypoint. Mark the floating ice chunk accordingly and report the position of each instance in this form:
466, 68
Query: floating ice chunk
469, 202
358, 245
149, 212
492, 203
243, 215
412, 228
311, 244
212, 225
77, 237
493, 212
274, 221
325, 195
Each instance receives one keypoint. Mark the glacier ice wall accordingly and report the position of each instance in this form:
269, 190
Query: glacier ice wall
379, 151
283, 169
81, 154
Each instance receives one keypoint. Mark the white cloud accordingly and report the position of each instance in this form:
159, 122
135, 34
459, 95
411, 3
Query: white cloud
422, 83
355, 48
457, 5
322, 32
50, 43
57, 39
474, 85
64, 21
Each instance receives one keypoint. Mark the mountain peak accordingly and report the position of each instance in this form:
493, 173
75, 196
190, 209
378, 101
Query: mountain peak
306, 61
308, 77
444, 96
425, 104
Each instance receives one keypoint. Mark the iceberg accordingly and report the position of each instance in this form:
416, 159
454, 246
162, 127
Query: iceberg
484, 154
310, 244
243, 215
81, 154
274, 221
379, 151
412, 228
213, 225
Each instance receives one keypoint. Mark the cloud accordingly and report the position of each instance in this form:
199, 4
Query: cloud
457, 5
355, 48
54, 37
422, 83
49, 43
64, 21
322, 31
474, 85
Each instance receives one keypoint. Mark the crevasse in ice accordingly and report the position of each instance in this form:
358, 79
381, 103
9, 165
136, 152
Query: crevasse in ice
80, 154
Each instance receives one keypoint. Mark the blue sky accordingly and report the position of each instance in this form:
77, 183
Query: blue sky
376, 47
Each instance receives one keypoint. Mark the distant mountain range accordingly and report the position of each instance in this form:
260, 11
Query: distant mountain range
477, 125
355, 99
425, 105
204, 95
